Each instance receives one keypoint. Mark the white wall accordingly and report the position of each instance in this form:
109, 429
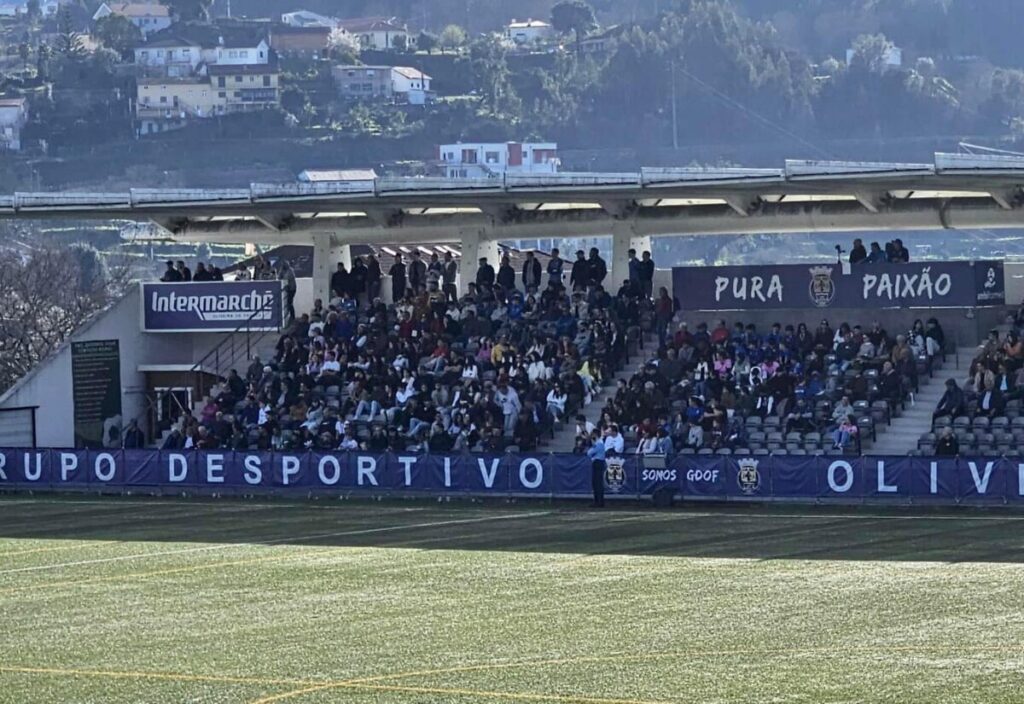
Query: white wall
50, 386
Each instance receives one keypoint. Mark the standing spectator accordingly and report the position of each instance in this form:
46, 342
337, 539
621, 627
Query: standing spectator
186, 273
555, 265
598, 268
434, 271
202, 273
596, 453
171, 275
506, 275
877, 256
449, 274
397, 274
373, 277
645, 272
857, 253
634, 269
287, 275
508, 399
663, 312
531, 273
339, 281
579, 279
900, 254
417, 273
357, 280
133, 439
484, 275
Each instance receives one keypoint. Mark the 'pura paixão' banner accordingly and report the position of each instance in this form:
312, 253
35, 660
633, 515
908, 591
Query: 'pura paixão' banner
899, 479
913, 285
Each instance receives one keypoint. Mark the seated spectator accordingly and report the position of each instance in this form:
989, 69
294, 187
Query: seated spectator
947, 445
845, 433
952, 402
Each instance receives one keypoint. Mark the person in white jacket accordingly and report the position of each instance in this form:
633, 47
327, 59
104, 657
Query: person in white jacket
648, 445
556, 402
508, 399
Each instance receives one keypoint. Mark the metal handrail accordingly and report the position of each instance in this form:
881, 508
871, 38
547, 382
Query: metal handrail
229, 342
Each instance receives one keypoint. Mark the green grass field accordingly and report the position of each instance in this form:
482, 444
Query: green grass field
163, 600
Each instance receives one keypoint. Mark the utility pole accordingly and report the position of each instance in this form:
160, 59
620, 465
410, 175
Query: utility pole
675, 119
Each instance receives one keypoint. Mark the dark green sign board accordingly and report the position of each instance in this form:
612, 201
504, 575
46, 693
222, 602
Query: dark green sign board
96, 388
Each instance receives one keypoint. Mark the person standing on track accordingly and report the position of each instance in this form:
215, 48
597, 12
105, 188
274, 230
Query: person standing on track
596, 454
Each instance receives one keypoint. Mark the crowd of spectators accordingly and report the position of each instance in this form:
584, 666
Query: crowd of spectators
785, 388
497, 368
983, 415
893, 253
178, 272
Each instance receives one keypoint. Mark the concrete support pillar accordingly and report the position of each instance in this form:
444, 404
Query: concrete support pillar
476, 245
322, 267
624, 238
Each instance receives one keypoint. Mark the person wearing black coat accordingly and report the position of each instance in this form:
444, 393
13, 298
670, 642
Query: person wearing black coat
397, 274
506, 275
947, 445
484, 274
952, 402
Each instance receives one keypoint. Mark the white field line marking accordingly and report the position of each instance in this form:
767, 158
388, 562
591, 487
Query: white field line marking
299, 538
168, 500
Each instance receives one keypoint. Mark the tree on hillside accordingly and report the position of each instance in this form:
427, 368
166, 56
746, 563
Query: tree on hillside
118, 33
870, 53
69, 42
400, 43
33, 10
487, 57
24, 53
191, 9
574, 16
343, 46
427, 41
452, 37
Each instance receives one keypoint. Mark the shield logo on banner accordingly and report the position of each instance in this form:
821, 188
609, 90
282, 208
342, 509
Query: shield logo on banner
748, 477
615, 474
822, 289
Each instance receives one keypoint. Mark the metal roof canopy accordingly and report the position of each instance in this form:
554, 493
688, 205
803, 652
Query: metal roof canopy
956, 191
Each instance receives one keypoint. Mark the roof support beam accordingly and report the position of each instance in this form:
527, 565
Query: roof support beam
171, 225
274, 221
385, 217
1007, 199
742, 204
619, 209
500, 213
873, 201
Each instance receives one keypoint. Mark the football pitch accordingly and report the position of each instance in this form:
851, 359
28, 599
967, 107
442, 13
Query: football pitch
171, 600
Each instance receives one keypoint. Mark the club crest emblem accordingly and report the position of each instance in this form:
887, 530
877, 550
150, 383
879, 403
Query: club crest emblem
748, 477
822, 289
615, 474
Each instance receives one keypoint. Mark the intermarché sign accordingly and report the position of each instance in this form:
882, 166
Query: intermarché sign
218, 306
922, 284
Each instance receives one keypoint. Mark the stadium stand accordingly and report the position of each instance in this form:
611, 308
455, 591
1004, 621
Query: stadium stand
530, 368
981, 415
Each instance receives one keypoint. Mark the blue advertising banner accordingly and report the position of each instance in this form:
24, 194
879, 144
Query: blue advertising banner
808, 478
214, 306
920, 284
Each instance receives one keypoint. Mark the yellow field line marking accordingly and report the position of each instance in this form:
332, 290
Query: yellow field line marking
170, 676
521, 696
625, 657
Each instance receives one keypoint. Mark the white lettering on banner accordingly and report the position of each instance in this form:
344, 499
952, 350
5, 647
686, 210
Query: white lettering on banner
36, 475
68, 464
407, 463
215, 469
253, 474
884, 488
904, 286
333, 479
250, 306
754, 289
692, 475
488, 477
847, 483
1020, 479
934, 486
289, 468
447, 472
3, 463
105, 458
981, 483
177, 468
367, 468
538, 469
